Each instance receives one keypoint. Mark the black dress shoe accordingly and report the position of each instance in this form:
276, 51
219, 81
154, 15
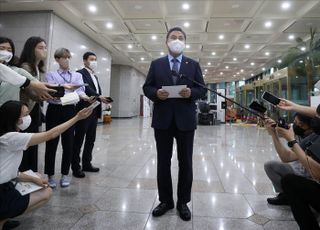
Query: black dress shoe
161, 209
10, 224
281, 199
79, 174
90, 168
184, 212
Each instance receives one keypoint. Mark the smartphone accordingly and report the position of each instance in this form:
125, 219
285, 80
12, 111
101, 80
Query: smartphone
270, 98
60, 91
109, 99
94, 104
257, 107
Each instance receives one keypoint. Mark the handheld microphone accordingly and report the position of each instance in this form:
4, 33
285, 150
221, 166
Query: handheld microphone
174, 73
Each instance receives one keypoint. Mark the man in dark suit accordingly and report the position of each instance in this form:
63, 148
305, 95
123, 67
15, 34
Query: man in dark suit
174, 118
87, 128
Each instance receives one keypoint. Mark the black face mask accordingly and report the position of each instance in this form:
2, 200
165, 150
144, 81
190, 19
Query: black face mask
298, 130
315, 125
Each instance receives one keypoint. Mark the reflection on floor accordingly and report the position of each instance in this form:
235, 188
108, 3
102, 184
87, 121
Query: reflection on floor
229, 190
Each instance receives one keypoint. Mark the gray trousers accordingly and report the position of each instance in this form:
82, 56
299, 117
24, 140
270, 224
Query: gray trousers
276, 170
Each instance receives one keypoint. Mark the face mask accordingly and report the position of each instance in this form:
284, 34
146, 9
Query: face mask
26, 121
176, 46
43, 54
298, 130
315, 125
93, 65
65, 62
5, 56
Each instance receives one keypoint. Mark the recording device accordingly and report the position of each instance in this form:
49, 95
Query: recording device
270, 98
109, 99
174, 73
59, 91
257, 107
94, 104
313, 150
282, 123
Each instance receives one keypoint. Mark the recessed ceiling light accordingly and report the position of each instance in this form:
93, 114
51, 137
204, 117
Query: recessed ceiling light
291, 37
206, 70
154, 37
263, 69
252, 75
247, 46
138, 7
303, 48
268, 24
252, 63
185, 6
234, 75
241, 70
72, 54
244, 78
142, 58
221, 36
109, 25
285, 5
209, 63
221, 73
92, 8
227, 67
83, 47
279, 61
235, 59
267, 53
186, 24
213, 53
301, 61
161, 53
188, 46
203, 75
103, 59
130, 46
238, 73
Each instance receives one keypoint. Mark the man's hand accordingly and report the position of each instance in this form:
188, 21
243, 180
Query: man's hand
41, 90
185, 93
287, 134
270, 126
104, 99
162, 94
287, 105
88, 99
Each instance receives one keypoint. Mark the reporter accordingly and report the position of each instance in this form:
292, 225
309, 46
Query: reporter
289, 163
57, 114
14, 117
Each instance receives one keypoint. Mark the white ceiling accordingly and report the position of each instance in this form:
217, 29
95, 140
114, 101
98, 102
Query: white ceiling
240, 22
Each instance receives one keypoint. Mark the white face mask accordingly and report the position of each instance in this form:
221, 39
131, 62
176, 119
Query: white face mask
26, 121
5, 56
65, 63
176, 46
93, 65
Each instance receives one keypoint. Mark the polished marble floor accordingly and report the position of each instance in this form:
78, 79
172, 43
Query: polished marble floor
229, 190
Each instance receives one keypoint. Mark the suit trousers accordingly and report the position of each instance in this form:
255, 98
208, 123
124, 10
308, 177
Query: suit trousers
164, 142
30, 156
84, 129
303, 194
56, 115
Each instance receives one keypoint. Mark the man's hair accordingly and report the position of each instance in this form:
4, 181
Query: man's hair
87, 54
303, 118
62, 52
176, 29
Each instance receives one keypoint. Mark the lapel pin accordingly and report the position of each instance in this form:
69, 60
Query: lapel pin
187, 62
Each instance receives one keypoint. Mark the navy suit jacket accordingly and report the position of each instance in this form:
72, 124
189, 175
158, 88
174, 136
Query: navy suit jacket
90, 90
179, 110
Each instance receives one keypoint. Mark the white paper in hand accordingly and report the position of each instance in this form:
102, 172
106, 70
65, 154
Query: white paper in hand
174, 90
28, 187
70, 99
